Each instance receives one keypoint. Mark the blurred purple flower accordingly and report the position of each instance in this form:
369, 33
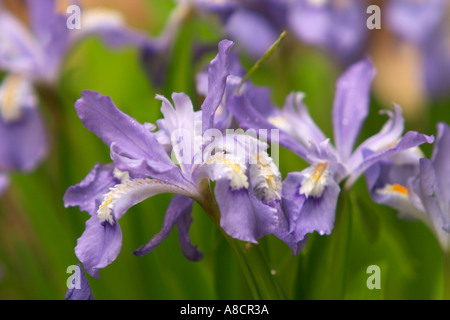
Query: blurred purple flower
310, 196
35, 56
337, 26
423, 24
38, 53
253, 24
23, 140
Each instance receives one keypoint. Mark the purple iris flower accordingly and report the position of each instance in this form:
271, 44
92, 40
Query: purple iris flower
247, 182
38, 53
417, 186
423, 24
337, 26
310, 196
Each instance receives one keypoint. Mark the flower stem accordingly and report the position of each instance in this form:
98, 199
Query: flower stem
260, 280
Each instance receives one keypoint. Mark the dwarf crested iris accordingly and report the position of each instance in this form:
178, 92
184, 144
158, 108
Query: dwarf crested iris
416, 186
310, 196
247, 182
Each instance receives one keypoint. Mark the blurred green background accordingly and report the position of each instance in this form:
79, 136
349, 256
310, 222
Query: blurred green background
38, 235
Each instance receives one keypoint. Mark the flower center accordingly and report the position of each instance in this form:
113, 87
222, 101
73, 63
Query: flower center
231, 167
394, 188
265, 177
315, 180
128, 193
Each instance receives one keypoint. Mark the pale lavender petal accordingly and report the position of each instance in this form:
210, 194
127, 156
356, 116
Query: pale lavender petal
88, 194
99, 245
441, 162
178, 213
243, 216
428, 191
217, 79
351, 105
99, 114
84, 292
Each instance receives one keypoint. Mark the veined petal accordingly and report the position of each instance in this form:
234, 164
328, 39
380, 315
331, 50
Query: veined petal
88, 194
101, 116
217, 76
99, 245
317, 213
243, 216
351, 105
428, 190
178, 212
441, 162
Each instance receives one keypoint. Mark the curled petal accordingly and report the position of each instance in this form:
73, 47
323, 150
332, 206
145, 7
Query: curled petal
389, 134
410, 140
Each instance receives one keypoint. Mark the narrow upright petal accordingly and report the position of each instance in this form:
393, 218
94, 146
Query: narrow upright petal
217, 79
351, 105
